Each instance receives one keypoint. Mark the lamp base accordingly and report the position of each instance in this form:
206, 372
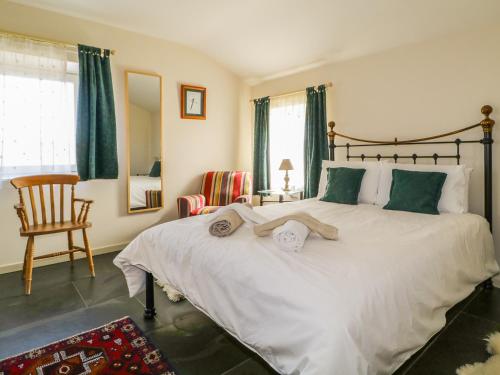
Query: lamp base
287, 179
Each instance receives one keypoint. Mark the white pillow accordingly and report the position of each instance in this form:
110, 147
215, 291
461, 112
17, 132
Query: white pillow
454, 195
468, 172
369, 184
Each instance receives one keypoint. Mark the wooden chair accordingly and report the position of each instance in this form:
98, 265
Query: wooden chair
53, 225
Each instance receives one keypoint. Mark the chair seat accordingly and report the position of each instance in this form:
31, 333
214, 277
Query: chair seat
66, 226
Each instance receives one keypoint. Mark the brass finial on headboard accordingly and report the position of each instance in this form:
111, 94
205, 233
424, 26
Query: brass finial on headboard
331, 133
487, 123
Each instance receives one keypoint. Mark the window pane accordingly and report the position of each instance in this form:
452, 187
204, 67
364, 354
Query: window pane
37, 133
286, 136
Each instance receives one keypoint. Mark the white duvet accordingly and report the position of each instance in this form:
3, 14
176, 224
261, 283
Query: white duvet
138, 187
359, 305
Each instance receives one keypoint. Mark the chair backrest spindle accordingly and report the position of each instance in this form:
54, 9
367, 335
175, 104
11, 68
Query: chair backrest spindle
33, 205
52, 205
42, 204
61, 203
72, 205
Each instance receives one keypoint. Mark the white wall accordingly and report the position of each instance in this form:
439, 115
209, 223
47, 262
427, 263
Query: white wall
416, 90
190, 147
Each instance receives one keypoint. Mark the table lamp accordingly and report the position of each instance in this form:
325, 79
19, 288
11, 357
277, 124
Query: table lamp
286, 165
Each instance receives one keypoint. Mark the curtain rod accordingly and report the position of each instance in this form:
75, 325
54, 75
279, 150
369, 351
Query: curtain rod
42, 40
329, 84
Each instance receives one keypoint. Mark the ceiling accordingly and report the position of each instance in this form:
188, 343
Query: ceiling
264, 39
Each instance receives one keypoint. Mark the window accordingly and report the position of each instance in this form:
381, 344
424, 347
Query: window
286, 138
38, 85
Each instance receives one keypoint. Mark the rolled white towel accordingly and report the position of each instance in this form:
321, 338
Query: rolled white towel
291, 235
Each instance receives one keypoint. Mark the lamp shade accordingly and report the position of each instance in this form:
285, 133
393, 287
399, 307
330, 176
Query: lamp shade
286, 165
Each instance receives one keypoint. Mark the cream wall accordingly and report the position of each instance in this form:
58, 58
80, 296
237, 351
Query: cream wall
416, 90
155, 142
141, 140
190, 147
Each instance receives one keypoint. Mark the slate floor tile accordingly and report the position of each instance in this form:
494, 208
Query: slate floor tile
103, 287
251, 367
460, 343
486, 305
11, 284
45, 303
453, 312
206, 351
102, 263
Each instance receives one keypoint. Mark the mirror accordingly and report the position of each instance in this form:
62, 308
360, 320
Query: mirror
143, 105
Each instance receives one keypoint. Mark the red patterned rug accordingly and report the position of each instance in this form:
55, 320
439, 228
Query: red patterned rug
117, 348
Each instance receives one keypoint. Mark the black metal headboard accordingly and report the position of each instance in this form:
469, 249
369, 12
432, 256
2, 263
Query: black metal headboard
486, 124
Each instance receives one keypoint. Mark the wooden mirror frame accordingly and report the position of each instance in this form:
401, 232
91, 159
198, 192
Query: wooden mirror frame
127, 139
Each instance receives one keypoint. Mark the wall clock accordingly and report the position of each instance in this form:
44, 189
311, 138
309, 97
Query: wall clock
193, 102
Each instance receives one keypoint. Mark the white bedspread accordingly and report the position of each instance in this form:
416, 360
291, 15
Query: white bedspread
138, 187
359, 305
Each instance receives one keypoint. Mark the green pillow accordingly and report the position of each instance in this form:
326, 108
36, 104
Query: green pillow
416, 191
155, 169
343, 185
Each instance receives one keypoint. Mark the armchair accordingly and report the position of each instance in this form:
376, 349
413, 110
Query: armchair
217, 189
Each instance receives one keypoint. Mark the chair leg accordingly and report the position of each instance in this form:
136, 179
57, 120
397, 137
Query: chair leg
88, 252
70, 247
29, 265
25, 259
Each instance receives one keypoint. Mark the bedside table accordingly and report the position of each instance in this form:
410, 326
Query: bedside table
281, 194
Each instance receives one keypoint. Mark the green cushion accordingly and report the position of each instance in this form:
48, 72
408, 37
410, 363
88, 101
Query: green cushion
343, 185
416, 191
155, 169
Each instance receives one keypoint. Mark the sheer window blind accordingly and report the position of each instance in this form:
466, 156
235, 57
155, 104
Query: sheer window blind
38, 86
286, 138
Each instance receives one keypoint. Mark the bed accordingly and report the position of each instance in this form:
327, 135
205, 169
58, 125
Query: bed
139, 188
360, 305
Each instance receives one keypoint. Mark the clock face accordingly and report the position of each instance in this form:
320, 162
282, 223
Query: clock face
194, 102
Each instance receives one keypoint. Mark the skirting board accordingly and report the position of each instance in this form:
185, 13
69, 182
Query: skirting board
13, 267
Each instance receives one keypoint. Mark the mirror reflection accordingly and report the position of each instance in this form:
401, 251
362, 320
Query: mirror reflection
144, 137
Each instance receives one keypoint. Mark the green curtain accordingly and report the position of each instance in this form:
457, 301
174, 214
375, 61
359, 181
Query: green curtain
261, 168
315, 139
96, 125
